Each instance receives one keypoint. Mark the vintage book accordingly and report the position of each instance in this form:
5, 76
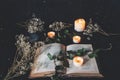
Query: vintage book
44, 67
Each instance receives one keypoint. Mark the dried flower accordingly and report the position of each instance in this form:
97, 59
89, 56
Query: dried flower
24, 56
90, 29
57, 26
34, 25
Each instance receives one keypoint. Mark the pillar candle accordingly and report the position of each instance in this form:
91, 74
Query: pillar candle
79, 25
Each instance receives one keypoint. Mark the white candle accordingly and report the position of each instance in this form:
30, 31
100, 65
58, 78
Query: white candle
76, 39
51, 34
79, 25
78, 61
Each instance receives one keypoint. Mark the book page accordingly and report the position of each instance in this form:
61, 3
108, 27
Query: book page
42, 63
89, 66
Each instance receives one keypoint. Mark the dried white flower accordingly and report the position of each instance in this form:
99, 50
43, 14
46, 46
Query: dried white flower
57, 26
23, 58
34, 25
93, 28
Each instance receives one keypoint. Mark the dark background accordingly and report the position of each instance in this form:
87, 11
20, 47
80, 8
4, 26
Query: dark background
104, 12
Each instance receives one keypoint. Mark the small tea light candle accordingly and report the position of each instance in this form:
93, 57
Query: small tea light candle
51, 34
78, 61
76, 39
79, 25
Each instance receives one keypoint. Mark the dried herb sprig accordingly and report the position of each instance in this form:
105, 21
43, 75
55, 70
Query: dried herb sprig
92, 28
33, 25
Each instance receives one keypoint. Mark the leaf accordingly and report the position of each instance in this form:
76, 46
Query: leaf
50, 56
96, 51
66, 31
74, 34
78, 54
64, 36
79, 51
92, 55
53, 57
61, 52
59, 36
70, 52
58, 39
71, 56
83, 50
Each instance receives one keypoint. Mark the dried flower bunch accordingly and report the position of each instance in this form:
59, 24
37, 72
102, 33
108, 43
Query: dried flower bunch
57, 26
24, 56
34, 25
90, 29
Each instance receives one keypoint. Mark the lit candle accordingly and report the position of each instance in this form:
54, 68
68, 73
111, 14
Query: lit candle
79, 25
76, 39
51, 34
78, 61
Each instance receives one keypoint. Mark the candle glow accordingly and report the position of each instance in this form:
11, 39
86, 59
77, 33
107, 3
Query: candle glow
76, 39
79, 25
51, 34
78, 61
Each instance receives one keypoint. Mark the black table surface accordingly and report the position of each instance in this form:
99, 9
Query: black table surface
105, 13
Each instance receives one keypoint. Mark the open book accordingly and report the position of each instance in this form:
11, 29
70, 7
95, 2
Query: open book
43, 66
